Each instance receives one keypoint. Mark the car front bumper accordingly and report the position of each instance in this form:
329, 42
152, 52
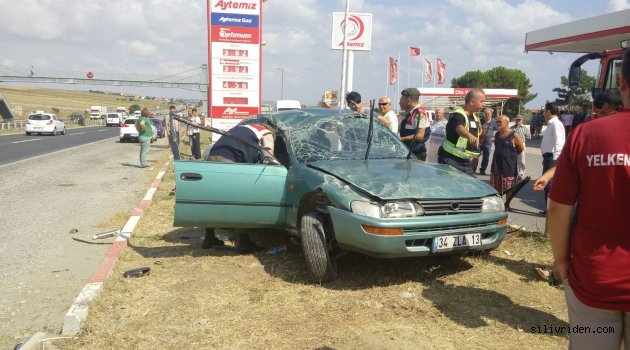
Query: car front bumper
418, 233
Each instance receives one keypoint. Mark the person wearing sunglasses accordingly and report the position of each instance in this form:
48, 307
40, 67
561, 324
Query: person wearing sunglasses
386, 116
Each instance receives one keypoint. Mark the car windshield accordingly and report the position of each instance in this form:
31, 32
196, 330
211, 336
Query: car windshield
344, 138
38, 117
130, 121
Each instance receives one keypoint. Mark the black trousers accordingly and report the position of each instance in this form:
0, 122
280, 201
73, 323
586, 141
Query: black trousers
547, 163
195, 146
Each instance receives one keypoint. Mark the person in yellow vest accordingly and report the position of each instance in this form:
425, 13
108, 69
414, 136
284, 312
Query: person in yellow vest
461, 143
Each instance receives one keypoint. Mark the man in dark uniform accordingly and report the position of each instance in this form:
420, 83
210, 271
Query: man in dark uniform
414, 129
461, 143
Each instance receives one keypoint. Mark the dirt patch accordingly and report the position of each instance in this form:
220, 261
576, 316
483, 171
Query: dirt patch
197, 298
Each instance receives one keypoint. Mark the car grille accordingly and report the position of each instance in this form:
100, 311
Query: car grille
441, 228
450, 207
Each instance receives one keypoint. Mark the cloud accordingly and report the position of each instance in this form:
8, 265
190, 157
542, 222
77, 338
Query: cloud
618, 5
140, 48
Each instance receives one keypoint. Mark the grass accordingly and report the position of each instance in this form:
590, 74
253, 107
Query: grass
65, 101
195, 298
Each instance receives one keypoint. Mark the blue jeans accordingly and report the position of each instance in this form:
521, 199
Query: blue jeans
174, 147
195, 146
145, 141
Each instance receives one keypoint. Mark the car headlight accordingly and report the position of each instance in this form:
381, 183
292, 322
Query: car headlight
493, 204
393, 209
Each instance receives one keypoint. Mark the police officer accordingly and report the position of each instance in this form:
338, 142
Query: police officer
414, 123
461, 143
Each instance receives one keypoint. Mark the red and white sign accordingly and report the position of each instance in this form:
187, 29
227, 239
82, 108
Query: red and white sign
234, 61
359, 31
393, 71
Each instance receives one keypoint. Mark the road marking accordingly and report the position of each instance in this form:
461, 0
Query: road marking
78, 133
27, 140
51, 153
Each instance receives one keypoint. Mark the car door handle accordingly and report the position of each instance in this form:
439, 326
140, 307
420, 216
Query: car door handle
191, 176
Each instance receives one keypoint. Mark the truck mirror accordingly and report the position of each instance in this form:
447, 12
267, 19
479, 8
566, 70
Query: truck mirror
574, 77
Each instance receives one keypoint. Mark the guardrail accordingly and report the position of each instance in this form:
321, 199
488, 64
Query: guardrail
19, 124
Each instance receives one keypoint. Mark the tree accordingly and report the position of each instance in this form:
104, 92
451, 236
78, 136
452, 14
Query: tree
134, 107
500, 78
578, 97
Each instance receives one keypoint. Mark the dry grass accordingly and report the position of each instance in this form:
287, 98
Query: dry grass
67, 101
206, 299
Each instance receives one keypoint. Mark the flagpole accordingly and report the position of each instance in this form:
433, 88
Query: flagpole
398, 88
344, 58
387, 77
424, 69
408, 59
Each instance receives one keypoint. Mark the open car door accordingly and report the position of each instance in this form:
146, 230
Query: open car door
213, 194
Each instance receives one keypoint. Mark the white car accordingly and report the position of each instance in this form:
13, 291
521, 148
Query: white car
128, 130
39, 123
113, 119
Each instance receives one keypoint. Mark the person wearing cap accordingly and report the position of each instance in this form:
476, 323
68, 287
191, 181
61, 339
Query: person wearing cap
524, 133
461, 143
353, 100
244, 147
414, 128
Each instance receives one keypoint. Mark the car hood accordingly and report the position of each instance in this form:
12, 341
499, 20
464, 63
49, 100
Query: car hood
389, 179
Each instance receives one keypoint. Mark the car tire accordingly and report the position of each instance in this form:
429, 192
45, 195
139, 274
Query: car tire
54, 133
318, 262
63, 132
28, 133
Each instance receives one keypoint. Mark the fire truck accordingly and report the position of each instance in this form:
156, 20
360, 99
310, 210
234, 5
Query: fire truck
603, 38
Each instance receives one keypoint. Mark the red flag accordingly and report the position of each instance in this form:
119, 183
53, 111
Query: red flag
428, 71
441, 71
414, 51
393, 71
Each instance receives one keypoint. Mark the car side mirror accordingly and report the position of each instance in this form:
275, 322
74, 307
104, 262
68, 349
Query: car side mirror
270, 160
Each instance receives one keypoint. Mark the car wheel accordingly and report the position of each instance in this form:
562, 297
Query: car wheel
63, 132
28, 133
54, 133
122, 140
318, 262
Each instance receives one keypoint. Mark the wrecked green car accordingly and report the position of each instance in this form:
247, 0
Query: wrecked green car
340, 181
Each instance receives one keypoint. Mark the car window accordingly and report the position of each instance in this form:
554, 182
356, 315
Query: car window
130, 121
38, 117
344, 138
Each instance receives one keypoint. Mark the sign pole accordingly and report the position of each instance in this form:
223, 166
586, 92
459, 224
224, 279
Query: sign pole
344, 59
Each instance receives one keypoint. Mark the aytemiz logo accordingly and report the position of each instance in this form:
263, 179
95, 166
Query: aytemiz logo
224, 5
234, 111
355, 30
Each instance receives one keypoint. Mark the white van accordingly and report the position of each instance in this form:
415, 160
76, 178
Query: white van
114, 119
283, 105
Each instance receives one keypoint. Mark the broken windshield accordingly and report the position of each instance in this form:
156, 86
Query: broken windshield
344, 138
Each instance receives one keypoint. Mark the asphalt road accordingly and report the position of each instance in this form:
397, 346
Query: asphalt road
18, 147
56, 192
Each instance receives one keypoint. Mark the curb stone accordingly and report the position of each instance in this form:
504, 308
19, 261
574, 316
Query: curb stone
77, 314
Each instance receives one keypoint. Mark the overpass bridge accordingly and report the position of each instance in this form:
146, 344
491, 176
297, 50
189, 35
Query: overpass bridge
194, 79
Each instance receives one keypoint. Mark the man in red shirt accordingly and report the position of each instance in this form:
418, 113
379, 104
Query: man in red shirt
593, 259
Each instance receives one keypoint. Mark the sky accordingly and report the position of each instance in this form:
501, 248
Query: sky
162, 37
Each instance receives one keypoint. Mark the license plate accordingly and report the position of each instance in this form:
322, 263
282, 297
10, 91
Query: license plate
38, 128
444, 243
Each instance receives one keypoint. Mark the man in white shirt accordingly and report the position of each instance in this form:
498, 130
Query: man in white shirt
387, 117
552, 143
438, 132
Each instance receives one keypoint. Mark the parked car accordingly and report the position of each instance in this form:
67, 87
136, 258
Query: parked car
40, 123
113, 119
128, 130
159, 127
332, 188
75, 118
